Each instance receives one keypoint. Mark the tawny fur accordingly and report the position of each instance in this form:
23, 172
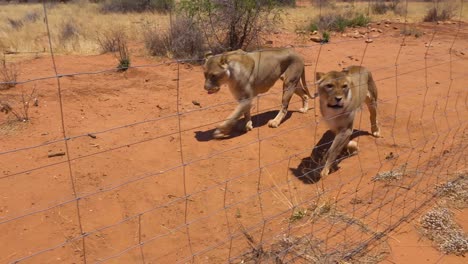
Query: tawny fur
341, 95
251, 73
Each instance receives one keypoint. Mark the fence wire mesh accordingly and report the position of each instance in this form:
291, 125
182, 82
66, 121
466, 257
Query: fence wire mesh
159, 189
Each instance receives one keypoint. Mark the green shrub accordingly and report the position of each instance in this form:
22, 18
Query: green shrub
339, 22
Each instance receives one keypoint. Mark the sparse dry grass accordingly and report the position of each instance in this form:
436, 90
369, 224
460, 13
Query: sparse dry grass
88, 22
438, 225
22, 27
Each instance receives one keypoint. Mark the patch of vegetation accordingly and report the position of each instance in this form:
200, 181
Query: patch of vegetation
21, 113
298, 214
184, 40
455, 192
126, 6
8, 75
438, 225
392, 175
440, 12
109, 40
339, 21
325, 37
123, 55
231, 25
411, 31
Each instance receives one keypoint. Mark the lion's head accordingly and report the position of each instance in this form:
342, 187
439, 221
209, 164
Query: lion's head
334, 88
216, 72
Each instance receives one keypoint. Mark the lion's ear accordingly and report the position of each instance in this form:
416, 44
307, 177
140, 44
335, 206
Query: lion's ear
208, 54
223, 62
318, 77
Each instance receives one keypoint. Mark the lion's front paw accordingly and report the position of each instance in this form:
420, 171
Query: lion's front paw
303, 110
352, 147
273, 123
324, 172
248, 126
375, 131
218, 134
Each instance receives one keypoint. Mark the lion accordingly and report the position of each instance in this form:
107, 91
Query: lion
251, 73
341, 95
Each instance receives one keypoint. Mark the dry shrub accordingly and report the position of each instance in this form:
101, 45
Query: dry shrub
335, 21
20, 113
125, 6
68, 31
441, 11
9, 75
184, 40
380, 7
123, 54
187, 40
32, 16
16, 24
109, 40
231, 25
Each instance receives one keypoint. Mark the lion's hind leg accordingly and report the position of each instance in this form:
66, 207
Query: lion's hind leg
372, 105
305, 99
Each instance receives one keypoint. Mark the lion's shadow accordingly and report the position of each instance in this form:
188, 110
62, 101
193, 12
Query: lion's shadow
308, 171
258, 120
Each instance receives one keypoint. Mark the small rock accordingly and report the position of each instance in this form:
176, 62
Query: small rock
387, 25
196, 103
428, 45
36, 102
315, 32
395, 27
373, 29
437, 82
344, 35
369, 40
378, 23
316, 39
379, 30
362, 32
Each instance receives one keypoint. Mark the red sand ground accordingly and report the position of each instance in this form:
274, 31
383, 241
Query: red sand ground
423, 120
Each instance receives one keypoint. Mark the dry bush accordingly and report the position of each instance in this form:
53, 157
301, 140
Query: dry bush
157, 42
379, 7
8, 75
184, 40
21, 113
32, 16
109, 40
68, 31
123, 54
125, 6
231, 25
440, 12
335, 21
187, 40
16, 24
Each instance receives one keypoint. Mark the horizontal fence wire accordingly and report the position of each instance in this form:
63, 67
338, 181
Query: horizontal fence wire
322, 214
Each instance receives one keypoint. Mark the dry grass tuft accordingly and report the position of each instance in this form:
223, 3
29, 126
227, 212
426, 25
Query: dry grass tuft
391, 175
438, 225
8, 75
455, 192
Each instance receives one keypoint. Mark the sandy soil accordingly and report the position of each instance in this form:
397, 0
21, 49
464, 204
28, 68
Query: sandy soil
181, 193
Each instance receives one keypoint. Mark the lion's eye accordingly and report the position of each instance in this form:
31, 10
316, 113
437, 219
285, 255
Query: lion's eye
345, 86
329, 86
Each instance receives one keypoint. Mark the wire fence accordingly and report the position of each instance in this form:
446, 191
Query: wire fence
152, 192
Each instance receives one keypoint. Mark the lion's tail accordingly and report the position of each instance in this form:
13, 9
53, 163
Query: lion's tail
304, 85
